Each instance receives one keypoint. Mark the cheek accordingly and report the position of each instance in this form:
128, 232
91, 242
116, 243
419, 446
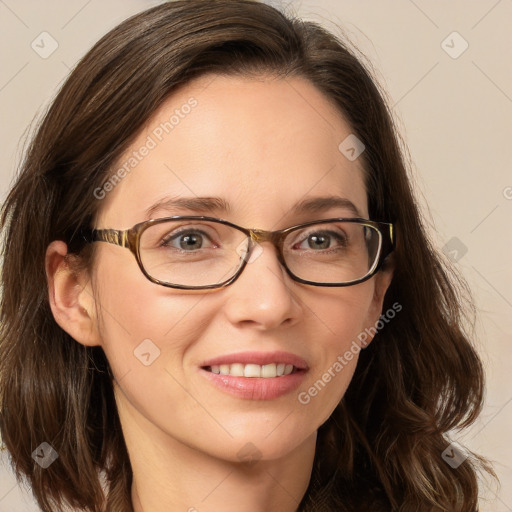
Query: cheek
341, 313
142, 324
340, 318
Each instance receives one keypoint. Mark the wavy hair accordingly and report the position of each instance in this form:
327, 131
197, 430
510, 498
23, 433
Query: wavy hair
421, 377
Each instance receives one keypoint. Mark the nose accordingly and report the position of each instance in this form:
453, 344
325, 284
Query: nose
263, 295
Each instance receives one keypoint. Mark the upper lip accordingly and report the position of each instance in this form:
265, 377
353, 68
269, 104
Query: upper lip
260, 358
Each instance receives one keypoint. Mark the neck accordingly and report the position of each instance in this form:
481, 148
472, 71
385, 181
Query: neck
170, 476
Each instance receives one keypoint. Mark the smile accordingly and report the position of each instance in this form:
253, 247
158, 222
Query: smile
256, 375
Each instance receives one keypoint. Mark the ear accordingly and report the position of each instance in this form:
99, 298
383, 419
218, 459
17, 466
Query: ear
382, 280
71, 297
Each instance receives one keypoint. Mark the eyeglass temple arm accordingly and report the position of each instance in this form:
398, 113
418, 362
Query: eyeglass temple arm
112, 236
389, 241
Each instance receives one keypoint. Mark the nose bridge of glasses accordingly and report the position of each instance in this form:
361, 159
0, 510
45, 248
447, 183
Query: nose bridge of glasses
259, 236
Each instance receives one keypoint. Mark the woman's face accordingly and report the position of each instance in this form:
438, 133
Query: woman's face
261, 146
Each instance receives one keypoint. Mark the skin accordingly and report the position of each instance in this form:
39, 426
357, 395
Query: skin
262, 144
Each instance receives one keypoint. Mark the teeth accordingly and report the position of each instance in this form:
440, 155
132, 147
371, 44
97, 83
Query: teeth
253, 370
269, 370
237, 370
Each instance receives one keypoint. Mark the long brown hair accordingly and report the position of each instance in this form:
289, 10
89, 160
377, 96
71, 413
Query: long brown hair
382, 447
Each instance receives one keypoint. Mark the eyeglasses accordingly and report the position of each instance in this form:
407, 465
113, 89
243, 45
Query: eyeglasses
197, 253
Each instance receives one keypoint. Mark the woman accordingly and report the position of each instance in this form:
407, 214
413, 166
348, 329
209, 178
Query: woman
218, 291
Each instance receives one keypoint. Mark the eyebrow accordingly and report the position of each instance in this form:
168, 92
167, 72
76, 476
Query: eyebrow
219, 205
321, 204
195, 204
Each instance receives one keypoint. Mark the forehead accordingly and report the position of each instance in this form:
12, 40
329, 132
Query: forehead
260, 143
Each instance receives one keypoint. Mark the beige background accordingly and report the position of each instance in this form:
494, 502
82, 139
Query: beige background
455, 113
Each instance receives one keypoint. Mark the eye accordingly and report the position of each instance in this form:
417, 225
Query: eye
322, 240
188, 240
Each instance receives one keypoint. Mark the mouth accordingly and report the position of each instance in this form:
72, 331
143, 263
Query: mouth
256, 375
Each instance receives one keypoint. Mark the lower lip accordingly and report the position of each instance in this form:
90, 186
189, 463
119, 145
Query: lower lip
256, 388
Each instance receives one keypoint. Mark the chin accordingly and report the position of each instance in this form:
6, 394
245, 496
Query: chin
253, 446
